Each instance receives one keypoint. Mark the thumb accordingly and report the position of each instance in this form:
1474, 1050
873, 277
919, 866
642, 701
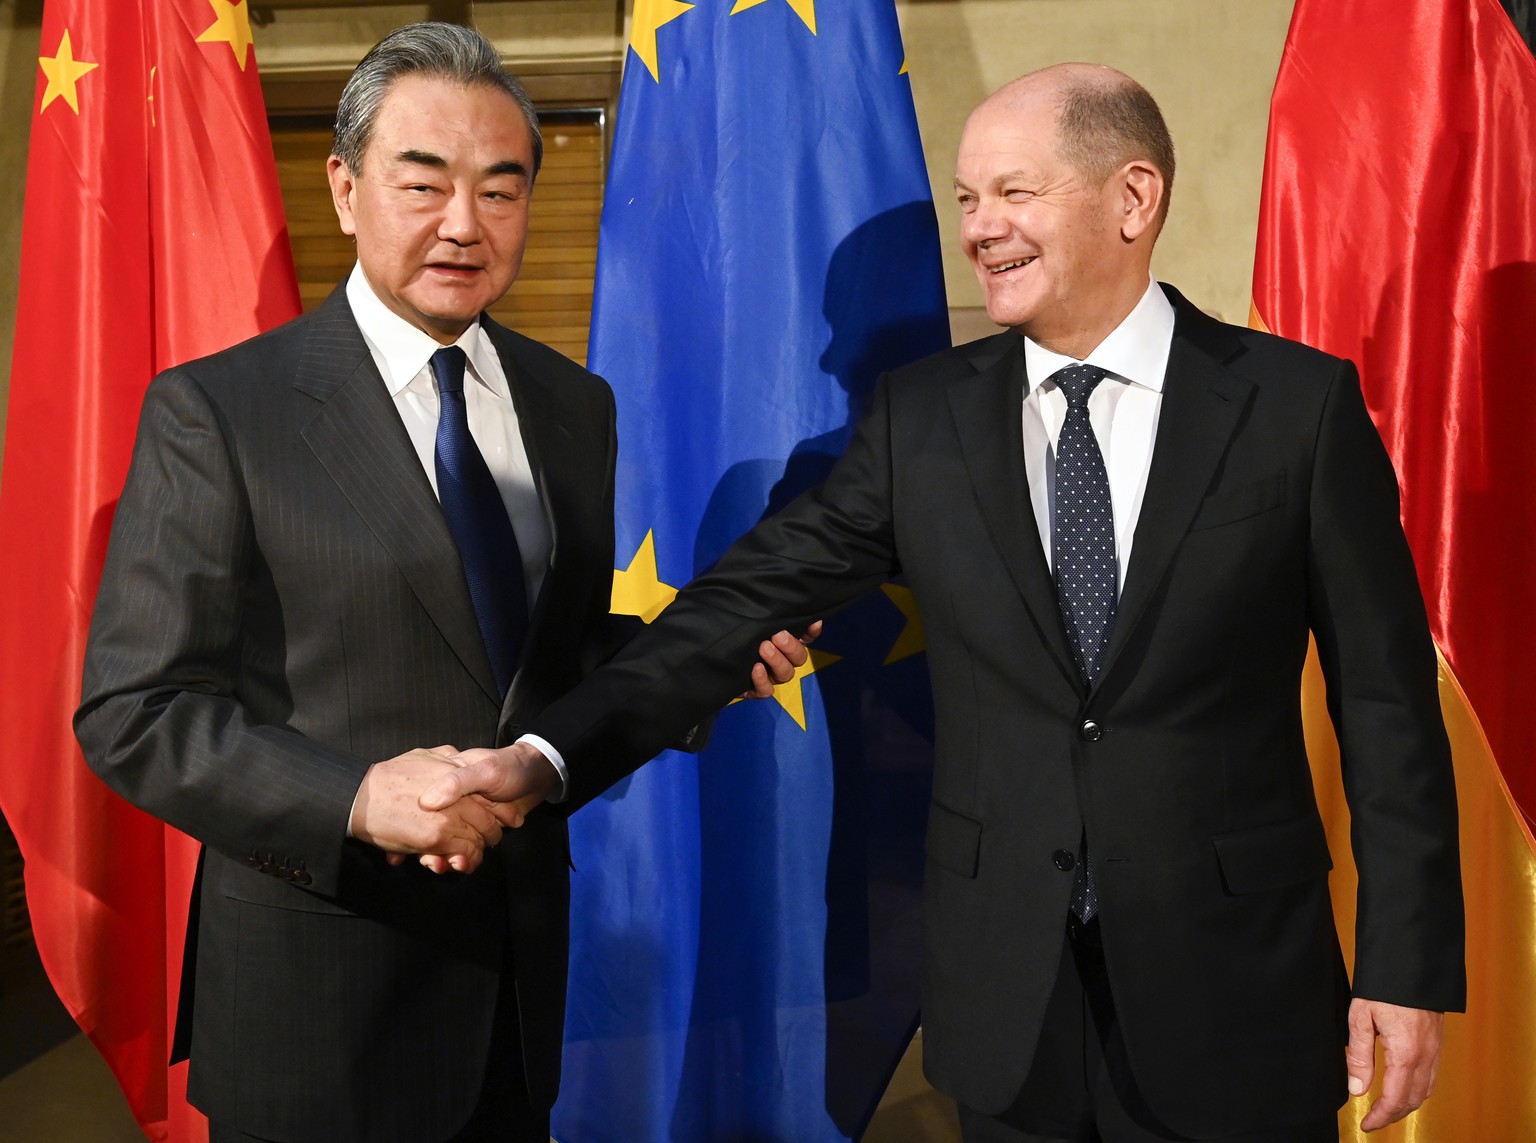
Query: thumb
445, 791
1360, 1055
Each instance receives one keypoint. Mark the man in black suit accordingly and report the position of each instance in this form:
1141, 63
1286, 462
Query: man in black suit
1121, 520
285, 604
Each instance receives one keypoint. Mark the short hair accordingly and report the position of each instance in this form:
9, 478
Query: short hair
441, 51
1102, 125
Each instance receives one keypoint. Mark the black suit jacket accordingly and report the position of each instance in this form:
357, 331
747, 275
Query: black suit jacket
283, 605
1270, 512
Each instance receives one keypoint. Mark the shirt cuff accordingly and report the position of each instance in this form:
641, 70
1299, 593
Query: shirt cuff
556, 761
353, 810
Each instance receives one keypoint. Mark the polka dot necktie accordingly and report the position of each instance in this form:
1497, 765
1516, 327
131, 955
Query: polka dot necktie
477, 517
1083, 550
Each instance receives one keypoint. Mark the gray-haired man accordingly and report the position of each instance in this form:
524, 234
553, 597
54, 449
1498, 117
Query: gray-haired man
311, 571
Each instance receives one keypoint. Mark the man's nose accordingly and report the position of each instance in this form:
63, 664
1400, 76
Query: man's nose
460, 222
982, 223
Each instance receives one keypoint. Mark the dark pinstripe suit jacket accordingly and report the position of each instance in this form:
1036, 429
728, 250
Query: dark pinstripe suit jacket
281, 606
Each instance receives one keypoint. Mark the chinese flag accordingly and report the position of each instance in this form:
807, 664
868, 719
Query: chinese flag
153, 234
1397, 229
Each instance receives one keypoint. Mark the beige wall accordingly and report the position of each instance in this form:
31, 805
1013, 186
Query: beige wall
1210, 63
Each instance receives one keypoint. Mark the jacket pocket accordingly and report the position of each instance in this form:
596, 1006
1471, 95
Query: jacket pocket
1240, 503
954, 840
1272, 856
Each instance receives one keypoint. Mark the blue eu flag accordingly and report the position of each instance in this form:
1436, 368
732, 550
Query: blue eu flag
746, 942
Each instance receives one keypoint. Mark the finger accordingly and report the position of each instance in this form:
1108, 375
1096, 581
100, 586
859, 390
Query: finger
1360, 1055
775, 658
1397, 1099
762, 685
479, 818
395, 858
445, 751
435, 862
1408, 1076
525, 806
793, 652
509, 814
812, 633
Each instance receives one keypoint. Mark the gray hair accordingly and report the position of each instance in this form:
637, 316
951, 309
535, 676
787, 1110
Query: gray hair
1102, 125
435, 49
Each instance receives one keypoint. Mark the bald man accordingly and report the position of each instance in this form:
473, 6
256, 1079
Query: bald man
1122, 521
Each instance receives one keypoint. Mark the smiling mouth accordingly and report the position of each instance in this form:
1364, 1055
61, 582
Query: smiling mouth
1006, 266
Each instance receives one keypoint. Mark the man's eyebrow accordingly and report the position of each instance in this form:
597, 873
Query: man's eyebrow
1019, 175
422, 159
507, 167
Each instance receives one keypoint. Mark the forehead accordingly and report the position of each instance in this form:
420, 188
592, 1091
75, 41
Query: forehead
429, 113
1004, 136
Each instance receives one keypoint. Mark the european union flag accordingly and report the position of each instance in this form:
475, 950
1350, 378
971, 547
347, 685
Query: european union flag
746, 942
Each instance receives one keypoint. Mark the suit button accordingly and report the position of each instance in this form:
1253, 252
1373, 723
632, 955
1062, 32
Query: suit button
1063, 859
1090, 730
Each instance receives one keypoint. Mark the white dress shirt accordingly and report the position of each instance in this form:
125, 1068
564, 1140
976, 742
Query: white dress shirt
1123, 411
403, 354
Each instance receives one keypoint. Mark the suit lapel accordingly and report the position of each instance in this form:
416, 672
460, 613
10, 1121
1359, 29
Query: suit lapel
1202, 404
358, 437
994, 397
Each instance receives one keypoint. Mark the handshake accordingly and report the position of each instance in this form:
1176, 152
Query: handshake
446, 805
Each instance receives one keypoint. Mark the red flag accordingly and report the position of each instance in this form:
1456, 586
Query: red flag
1398, 229
153, 234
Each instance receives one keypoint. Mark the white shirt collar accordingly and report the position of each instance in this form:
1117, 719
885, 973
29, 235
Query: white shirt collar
1135, 351
402, 351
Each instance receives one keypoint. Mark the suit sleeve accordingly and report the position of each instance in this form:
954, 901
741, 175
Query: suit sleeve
161, 719
824, 550
1373, 641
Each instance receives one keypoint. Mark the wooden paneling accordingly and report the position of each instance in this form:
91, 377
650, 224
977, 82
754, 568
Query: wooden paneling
552, 298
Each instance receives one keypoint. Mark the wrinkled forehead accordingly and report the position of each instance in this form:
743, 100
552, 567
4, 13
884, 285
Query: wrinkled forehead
1010, 133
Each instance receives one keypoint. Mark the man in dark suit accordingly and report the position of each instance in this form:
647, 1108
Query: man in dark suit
1121, 520
286, 603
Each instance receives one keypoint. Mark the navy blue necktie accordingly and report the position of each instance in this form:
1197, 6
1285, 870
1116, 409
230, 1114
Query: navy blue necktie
477, 517
1083, 552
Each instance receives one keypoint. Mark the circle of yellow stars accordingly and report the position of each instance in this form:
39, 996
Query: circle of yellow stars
639, 590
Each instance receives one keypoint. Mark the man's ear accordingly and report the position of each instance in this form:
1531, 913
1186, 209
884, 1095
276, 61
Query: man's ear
1139, 191
343, 183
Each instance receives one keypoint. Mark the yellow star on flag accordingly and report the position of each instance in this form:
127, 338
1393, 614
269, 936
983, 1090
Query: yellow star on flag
911, 641
232, 26
650, 15
791, 695
63, 72
805, 9
638, 590
903, 70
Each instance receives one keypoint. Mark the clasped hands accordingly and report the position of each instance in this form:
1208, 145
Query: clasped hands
446, 805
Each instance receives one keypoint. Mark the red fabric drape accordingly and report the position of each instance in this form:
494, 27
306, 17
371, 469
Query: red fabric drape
1398, 229
153, 234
